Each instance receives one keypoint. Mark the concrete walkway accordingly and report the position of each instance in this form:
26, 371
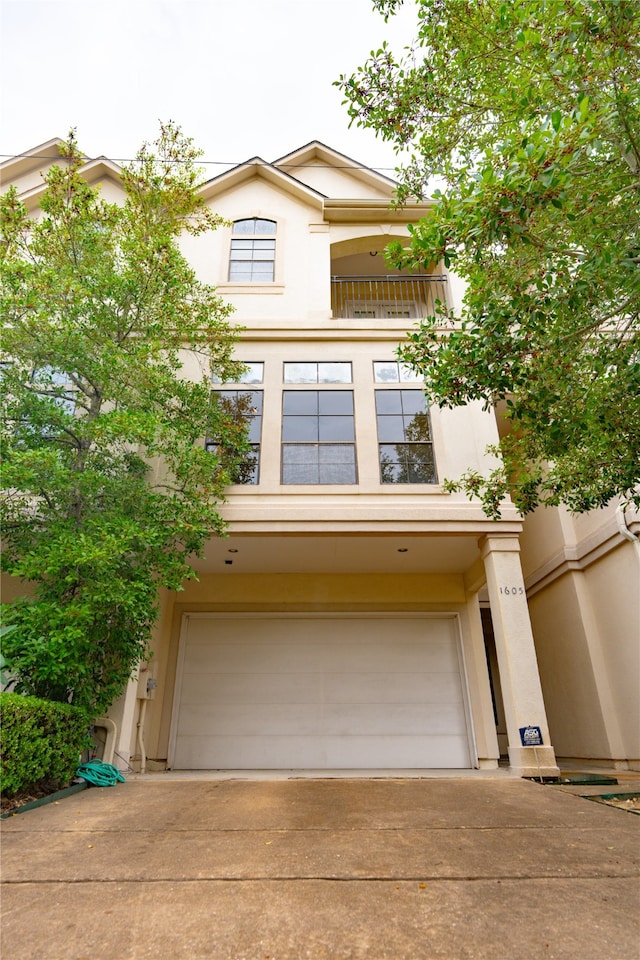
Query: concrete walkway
303, 869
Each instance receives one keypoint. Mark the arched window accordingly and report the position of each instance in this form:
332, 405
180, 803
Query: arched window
253, 250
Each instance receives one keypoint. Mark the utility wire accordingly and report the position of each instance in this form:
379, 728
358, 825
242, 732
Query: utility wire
203, 163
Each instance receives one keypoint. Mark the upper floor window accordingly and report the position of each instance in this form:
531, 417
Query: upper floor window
320, 372
253, 373
390, 371
253, 250
245, 407
318, 437
404, 437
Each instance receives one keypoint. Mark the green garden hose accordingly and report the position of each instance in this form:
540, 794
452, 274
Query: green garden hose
100, 774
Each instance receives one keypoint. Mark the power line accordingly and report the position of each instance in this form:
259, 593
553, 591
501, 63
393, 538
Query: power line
203, 163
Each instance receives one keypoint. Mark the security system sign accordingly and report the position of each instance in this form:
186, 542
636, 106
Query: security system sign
531, 736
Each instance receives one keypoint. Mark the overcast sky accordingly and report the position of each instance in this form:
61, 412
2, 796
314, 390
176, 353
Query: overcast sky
242, 77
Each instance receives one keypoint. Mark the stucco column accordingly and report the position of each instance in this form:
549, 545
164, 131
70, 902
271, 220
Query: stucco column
519, 676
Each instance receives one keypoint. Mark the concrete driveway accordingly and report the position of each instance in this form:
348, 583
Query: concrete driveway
291, 869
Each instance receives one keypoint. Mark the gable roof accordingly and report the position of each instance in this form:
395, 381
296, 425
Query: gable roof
311, 154
322, 154
93, 170
257, 167
31, 159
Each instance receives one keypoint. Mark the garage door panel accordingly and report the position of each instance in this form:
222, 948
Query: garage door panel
393, 687
375, 719
322, 656
312, 753
317, 719
335, 692
198, 688
267, 631
252, 688
222, 657
253, 719
388, 657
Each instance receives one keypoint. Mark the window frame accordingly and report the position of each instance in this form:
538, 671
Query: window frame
318, 424
404, 374
255, 445
404, 447
318, 378
218, 382
253, 238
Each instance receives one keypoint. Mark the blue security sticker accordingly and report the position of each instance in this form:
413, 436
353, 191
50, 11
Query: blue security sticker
531, 736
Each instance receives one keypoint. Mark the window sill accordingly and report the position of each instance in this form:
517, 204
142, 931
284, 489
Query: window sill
261, 288
384, 489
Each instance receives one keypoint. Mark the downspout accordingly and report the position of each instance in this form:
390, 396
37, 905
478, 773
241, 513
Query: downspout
110, 743
141, 716
147, 684
624, 529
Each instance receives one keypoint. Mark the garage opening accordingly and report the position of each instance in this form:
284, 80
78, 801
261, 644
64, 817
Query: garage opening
320, 692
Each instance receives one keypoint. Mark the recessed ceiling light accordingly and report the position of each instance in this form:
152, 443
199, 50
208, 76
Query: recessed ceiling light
232, 550
403, 549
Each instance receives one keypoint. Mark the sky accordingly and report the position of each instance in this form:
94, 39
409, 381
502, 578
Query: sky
243, 78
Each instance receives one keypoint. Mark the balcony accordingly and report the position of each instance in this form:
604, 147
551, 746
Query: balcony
387, 297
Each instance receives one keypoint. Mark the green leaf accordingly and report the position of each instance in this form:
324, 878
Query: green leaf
97, 304
538, 210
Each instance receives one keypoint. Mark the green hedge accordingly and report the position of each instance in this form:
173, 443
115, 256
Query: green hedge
41, 743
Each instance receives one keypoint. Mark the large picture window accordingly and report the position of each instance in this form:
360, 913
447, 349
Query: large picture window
404, 437
253, 250
318, 437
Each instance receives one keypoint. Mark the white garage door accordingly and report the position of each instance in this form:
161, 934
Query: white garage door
319, 693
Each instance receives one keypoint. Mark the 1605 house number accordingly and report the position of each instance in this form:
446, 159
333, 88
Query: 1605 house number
512, 591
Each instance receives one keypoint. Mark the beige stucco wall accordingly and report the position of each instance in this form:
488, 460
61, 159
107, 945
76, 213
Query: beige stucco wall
612, 584
543, 538
570, 691
585, 611
11, 588
587, 635
302, 254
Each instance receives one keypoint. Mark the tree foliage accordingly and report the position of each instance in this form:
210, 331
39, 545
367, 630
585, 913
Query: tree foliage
107, 487
528, 112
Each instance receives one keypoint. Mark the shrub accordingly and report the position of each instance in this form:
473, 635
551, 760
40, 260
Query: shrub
41, 743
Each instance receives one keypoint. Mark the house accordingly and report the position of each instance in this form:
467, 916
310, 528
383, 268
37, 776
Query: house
357, 616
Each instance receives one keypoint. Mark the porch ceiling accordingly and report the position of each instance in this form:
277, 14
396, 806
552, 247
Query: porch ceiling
348, 554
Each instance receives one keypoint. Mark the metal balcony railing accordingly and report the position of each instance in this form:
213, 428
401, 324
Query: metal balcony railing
387, 297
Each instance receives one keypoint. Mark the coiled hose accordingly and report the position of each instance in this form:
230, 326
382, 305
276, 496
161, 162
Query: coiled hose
100, 774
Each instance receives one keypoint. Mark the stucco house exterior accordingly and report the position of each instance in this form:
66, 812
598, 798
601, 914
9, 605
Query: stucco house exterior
357, 616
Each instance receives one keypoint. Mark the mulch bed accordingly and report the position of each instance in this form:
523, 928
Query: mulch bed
629, 802
36, 792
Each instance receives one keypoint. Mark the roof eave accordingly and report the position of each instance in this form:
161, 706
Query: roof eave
374, 211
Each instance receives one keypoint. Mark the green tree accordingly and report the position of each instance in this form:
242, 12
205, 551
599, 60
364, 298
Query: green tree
107, 488
528, 113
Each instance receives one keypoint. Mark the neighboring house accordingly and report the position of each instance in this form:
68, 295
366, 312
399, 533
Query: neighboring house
358, 616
